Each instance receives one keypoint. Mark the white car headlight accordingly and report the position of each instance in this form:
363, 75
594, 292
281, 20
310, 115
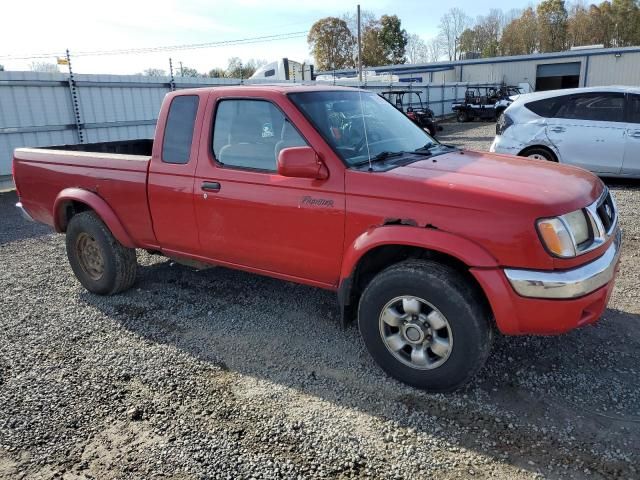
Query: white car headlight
563, 235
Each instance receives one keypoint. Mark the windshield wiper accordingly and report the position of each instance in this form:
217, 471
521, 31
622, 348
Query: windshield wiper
426, 149
380, 157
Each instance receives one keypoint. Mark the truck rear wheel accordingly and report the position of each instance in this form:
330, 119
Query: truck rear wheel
98, 260
425, 325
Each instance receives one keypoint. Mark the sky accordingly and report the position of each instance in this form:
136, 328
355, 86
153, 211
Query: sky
44, 27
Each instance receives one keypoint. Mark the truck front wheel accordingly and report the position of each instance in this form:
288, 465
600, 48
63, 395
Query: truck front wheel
424, 325
98, 260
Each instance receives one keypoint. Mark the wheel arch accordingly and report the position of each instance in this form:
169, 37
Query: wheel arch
374, 251
72, 201
546, 148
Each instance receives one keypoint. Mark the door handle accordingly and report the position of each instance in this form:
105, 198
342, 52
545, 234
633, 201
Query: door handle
557, 129
636, 134
210, 186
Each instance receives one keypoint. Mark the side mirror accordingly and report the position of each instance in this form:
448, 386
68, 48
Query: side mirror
301, 162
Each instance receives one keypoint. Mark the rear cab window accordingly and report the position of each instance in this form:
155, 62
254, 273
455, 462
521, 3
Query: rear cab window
249, 134
178, 132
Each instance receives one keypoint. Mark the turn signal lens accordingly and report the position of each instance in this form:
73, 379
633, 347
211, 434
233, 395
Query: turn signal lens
556, 237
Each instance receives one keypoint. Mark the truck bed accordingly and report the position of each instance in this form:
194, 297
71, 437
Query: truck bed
115, 171
141, 146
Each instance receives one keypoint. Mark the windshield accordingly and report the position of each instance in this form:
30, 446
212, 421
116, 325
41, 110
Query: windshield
360, 125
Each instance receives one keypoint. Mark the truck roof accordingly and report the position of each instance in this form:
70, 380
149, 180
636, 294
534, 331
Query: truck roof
272, 87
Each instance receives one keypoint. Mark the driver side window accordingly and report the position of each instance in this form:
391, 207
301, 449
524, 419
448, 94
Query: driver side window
249, 134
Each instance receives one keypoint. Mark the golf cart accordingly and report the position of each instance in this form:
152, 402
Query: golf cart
410, 103
484, 103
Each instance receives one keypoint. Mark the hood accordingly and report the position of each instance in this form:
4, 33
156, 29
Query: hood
493, 182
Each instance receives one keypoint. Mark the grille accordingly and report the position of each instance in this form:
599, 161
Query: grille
607, 212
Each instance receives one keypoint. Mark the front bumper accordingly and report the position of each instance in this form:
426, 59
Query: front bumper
568, 283
558, 301
24, 213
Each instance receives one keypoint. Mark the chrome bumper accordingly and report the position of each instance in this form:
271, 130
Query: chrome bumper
24, 213
568, 283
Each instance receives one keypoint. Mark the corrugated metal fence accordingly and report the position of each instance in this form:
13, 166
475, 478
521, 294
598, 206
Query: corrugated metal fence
38, 109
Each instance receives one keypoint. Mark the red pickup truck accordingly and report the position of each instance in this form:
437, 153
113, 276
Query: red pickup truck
429, 246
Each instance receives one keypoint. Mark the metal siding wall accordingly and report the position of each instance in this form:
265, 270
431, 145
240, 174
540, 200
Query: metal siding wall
42, 101
513, 73
609, 70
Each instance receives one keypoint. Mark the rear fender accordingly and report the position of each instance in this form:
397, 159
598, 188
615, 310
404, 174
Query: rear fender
95, 203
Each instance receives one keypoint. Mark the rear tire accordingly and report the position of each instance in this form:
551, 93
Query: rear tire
101, 263
424, 324
461, 116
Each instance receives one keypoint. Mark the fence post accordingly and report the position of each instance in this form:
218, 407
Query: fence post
172, 80
75, 101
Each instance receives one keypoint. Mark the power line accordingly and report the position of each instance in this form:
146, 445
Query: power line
167, 48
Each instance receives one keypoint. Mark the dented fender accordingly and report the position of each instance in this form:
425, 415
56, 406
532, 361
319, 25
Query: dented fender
97, 204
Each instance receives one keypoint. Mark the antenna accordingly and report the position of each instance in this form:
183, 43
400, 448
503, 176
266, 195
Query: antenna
364, 125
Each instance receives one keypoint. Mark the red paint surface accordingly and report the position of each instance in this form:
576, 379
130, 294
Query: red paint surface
477, 207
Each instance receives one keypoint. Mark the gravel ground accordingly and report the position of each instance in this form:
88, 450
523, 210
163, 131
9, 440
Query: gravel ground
222, 374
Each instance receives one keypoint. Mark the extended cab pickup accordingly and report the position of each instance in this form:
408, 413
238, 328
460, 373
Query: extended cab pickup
429, 246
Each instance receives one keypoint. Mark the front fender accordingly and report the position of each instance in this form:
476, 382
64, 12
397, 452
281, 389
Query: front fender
468, 252
97, 204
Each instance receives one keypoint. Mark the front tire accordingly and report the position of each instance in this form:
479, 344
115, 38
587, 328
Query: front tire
539, 154
425, 325
101, 263
461, 116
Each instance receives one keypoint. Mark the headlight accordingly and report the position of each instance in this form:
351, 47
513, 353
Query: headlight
564, 235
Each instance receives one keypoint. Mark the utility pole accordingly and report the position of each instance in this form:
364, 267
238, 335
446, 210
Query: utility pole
181, 69
359, 48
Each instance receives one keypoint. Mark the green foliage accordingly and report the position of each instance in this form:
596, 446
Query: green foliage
393, 39
332, 44
552, 25
188, 72
333, 41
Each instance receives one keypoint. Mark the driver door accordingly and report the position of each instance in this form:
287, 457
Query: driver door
250, 216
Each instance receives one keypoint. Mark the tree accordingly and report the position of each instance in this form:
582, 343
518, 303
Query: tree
331, 43
579, 25
393, 39
488, 31
373, 53
434, 49
468, 42
43, 67
552, 25
217, 73
452, 24
601, 22
237, 69
520, 36
155, 72
416, 50
626, 19
188, 72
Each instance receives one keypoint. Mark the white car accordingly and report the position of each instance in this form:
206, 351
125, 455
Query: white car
597, 128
